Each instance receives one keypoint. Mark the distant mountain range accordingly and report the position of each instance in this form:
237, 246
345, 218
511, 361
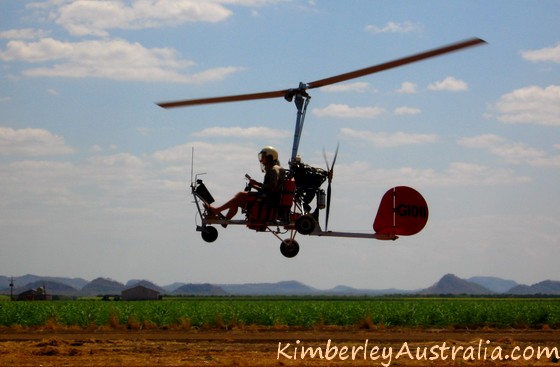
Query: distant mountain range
449, 284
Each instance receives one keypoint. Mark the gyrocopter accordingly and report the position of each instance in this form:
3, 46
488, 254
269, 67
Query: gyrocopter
402, 210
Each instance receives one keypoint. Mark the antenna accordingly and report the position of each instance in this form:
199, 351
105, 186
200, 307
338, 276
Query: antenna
192, 164
11, 288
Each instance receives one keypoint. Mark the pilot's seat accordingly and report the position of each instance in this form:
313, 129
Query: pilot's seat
272, 208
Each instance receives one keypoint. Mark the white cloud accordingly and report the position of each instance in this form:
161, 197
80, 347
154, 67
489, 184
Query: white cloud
96, 149
38, 183
110, 59
388, 139
532, 105
467, 174
119, 160
100, 182
24, 33
215, 155
511, 152
482, 141
238, 132
47, 49
404, 110
224, 163
407, 88
145, 131
97, 18
449, 84
457, 174
31, 142
82, 17
359, 87
125, 182
345, 111
543, 54
395, 27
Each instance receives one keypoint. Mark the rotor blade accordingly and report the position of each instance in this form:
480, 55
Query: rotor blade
395, 63
235, 98
327, 81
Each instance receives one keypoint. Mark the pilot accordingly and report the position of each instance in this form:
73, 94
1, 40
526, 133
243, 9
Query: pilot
268, 158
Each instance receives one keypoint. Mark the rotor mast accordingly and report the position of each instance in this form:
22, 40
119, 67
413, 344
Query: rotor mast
301, 101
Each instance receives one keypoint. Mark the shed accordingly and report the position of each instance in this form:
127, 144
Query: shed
34, 295
140, 293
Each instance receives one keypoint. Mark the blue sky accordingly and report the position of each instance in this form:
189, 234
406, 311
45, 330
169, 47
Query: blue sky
94, 177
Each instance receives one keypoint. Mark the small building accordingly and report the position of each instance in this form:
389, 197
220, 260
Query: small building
140, 293
38, 294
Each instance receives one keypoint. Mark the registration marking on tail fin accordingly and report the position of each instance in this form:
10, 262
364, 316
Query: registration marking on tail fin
402, 212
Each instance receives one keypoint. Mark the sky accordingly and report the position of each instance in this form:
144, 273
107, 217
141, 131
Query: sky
95, 177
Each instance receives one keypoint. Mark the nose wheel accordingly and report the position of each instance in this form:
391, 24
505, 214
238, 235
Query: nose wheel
289, 248
209, 233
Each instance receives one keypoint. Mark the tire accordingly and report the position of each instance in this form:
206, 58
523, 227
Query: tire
209, 234
289, 248
305, 224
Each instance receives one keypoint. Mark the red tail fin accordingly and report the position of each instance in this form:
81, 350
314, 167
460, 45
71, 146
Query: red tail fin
402, 211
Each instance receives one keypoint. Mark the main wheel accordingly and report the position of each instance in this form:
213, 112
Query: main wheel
289, 248
209, 234
305, 224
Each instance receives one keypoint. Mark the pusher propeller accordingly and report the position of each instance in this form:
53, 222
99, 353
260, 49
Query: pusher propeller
289, 93
329, 181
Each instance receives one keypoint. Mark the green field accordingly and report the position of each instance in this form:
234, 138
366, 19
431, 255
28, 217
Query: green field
236, 312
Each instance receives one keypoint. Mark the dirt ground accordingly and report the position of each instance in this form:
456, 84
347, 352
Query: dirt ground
278, 347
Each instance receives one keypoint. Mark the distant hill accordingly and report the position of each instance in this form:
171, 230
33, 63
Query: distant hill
102, 286
146, 283
448, 284
51, 287
170, 288
205, 289
494, 284
546, 287
21, 281
342, 290
451, 284
286, 288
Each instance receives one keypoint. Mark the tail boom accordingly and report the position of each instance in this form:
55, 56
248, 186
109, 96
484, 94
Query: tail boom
378, 236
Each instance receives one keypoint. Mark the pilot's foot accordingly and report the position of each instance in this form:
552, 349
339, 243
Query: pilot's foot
221, 216
214, 214
211, 210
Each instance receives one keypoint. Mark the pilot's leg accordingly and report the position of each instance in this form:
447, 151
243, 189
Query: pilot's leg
239, 200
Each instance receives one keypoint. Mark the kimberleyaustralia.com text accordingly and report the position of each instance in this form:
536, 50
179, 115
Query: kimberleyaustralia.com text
481, 351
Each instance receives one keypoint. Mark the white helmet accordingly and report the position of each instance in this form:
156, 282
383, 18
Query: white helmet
268, 152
